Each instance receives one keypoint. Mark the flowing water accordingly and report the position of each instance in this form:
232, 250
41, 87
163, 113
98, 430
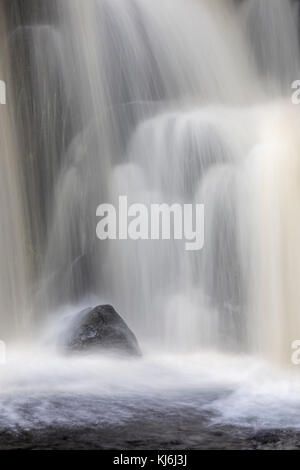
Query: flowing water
14, 288
170, 101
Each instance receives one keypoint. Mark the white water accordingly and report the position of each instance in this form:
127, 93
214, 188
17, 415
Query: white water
40, 389
165, 101
179, 106
13, 272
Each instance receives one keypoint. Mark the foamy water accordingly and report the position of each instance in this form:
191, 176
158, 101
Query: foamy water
41, 388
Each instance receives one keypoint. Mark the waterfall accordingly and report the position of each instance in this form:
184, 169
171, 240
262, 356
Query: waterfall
14, 272
169, 101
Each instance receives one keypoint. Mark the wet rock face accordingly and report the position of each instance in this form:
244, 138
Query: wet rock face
102, 328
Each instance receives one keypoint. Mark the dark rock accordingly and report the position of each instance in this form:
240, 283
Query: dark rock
103, 328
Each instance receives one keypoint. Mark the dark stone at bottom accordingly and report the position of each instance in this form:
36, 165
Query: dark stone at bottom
103, 328
140, 436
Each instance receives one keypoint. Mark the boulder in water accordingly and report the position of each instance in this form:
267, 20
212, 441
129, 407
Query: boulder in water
103, 328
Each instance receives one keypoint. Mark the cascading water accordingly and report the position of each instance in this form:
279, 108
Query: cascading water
14, 271
169, 101
164, 120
